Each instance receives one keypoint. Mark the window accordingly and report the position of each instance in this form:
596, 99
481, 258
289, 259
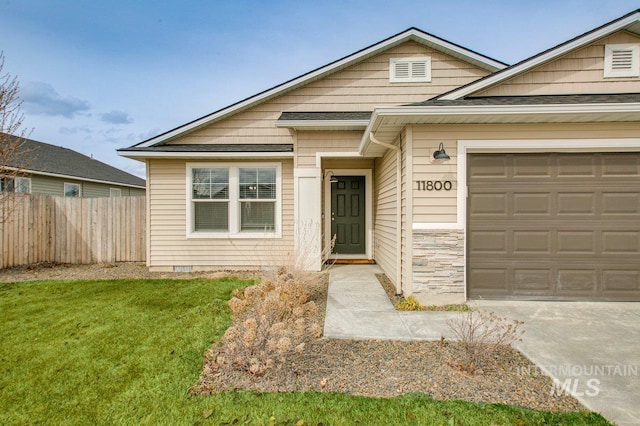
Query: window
71, 189
410, 70
621, 60
7, 184
115, 192
239, 200
20, 185
23, 185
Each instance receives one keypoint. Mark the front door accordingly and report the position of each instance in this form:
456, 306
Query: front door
348, 215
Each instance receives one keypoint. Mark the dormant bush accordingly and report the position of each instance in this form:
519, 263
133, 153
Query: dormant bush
270, 320
480, 336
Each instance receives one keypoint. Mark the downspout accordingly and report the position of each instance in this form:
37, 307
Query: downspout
398, 209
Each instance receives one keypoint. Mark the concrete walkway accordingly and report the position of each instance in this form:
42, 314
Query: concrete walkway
358, 308
594, 345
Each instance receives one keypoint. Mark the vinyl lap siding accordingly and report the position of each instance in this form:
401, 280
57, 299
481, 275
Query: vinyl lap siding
360, 87
441, 206
581, 71
169, 246
385, 208
309, 143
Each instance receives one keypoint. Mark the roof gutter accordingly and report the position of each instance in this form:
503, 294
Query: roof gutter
446, 114
396, 148
141, 155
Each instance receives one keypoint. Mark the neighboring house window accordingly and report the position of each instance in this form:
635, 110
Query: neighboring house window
621, 60
20, 185
71, 189
115, 192
23, 185
240, 200
410, 70
6, 184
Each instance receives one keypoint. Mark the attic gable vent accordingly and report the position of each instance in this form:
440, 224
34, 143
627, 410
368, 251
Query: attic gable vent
414, 70
621, 60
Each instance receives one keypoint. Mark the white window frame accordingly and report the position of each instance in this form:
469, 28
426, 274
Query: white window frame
234, 202
75, 184
393, 78
609, 72
115, 192
19, 181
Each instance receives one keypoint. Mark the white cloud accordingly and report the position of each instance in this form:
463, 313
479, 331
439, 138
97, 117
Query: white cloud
42, 99
116, 117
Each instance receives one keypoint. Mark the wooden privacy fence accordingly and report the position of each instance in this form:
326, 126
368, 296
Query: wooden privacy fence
73, 230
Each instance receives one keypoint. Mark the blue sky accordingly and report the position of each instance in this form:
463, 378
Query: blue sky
96, 76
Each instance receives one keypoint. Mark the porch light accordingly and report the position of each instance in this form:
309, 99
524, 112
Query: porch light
441, 154
333, 179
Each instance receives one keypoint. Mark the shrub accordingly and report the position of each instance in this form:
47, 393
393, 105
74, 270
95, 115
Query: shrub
270, 320
480, 335
409, 304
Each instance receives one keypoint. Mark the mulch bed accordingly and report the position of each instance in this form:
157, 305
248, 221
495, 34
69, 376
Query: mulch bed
390, 368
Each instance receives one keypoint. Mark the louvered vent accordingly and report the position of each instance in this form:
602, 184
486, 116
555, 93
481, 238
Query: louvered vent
403, 70
621, 60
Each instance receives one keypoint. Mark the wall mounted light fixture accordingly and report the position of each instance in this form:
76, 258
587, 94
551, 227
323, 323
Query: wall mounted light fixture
441, 154
332, 178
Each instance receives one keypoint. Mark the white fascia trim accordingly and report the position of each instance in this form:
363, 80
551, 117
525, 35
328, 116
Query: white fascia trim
482, 110
534, 62
454, 110
459, 50
57, 175
204, 155
307, 124
413, 33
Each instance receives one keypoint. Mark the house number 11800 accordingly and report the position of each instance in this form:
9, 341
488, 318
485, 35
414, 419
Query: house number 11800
434, 185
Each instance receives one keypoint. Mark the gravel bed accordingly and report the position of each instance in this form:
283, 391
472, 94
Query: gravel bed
369, 368
102, 271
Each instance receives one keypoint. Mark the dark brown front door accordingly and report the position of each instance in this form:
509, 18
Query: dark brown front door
554, 226
348, 215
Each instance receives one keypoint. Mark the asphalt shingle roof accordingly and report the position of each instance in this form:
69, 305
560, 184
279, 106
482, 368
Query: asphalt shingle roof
330, 116
43, 157
536, 100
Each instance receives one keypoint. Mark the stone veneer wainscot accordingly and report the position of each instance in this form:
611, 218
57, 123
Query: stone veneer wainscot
438, 262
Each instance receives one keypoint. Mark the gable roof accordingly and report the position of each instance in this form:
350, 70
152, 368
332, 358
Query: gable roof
411, 34
629, 22
43, 158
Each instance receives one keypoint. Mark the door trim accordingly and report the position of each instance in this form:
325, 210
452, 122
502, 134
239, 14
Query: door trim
368, 195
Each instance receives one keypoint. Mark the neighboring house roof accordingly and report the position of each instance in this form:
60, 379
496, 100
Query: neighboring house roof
411, 34
629, 22
43, 158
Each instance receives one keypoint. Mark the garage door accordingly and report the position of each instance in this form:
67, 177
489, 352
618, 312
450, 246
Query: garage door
554, 226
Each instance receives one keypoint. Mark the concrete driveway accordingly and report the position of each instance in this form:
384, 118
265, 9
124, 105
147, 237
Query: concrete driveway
592, 349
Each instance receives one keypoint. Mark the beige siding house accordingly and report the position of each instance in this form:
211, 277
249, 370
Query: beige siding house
460, 176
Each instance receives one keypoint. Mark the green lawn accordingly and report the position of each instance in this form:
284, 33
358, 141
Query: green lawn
127, 351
